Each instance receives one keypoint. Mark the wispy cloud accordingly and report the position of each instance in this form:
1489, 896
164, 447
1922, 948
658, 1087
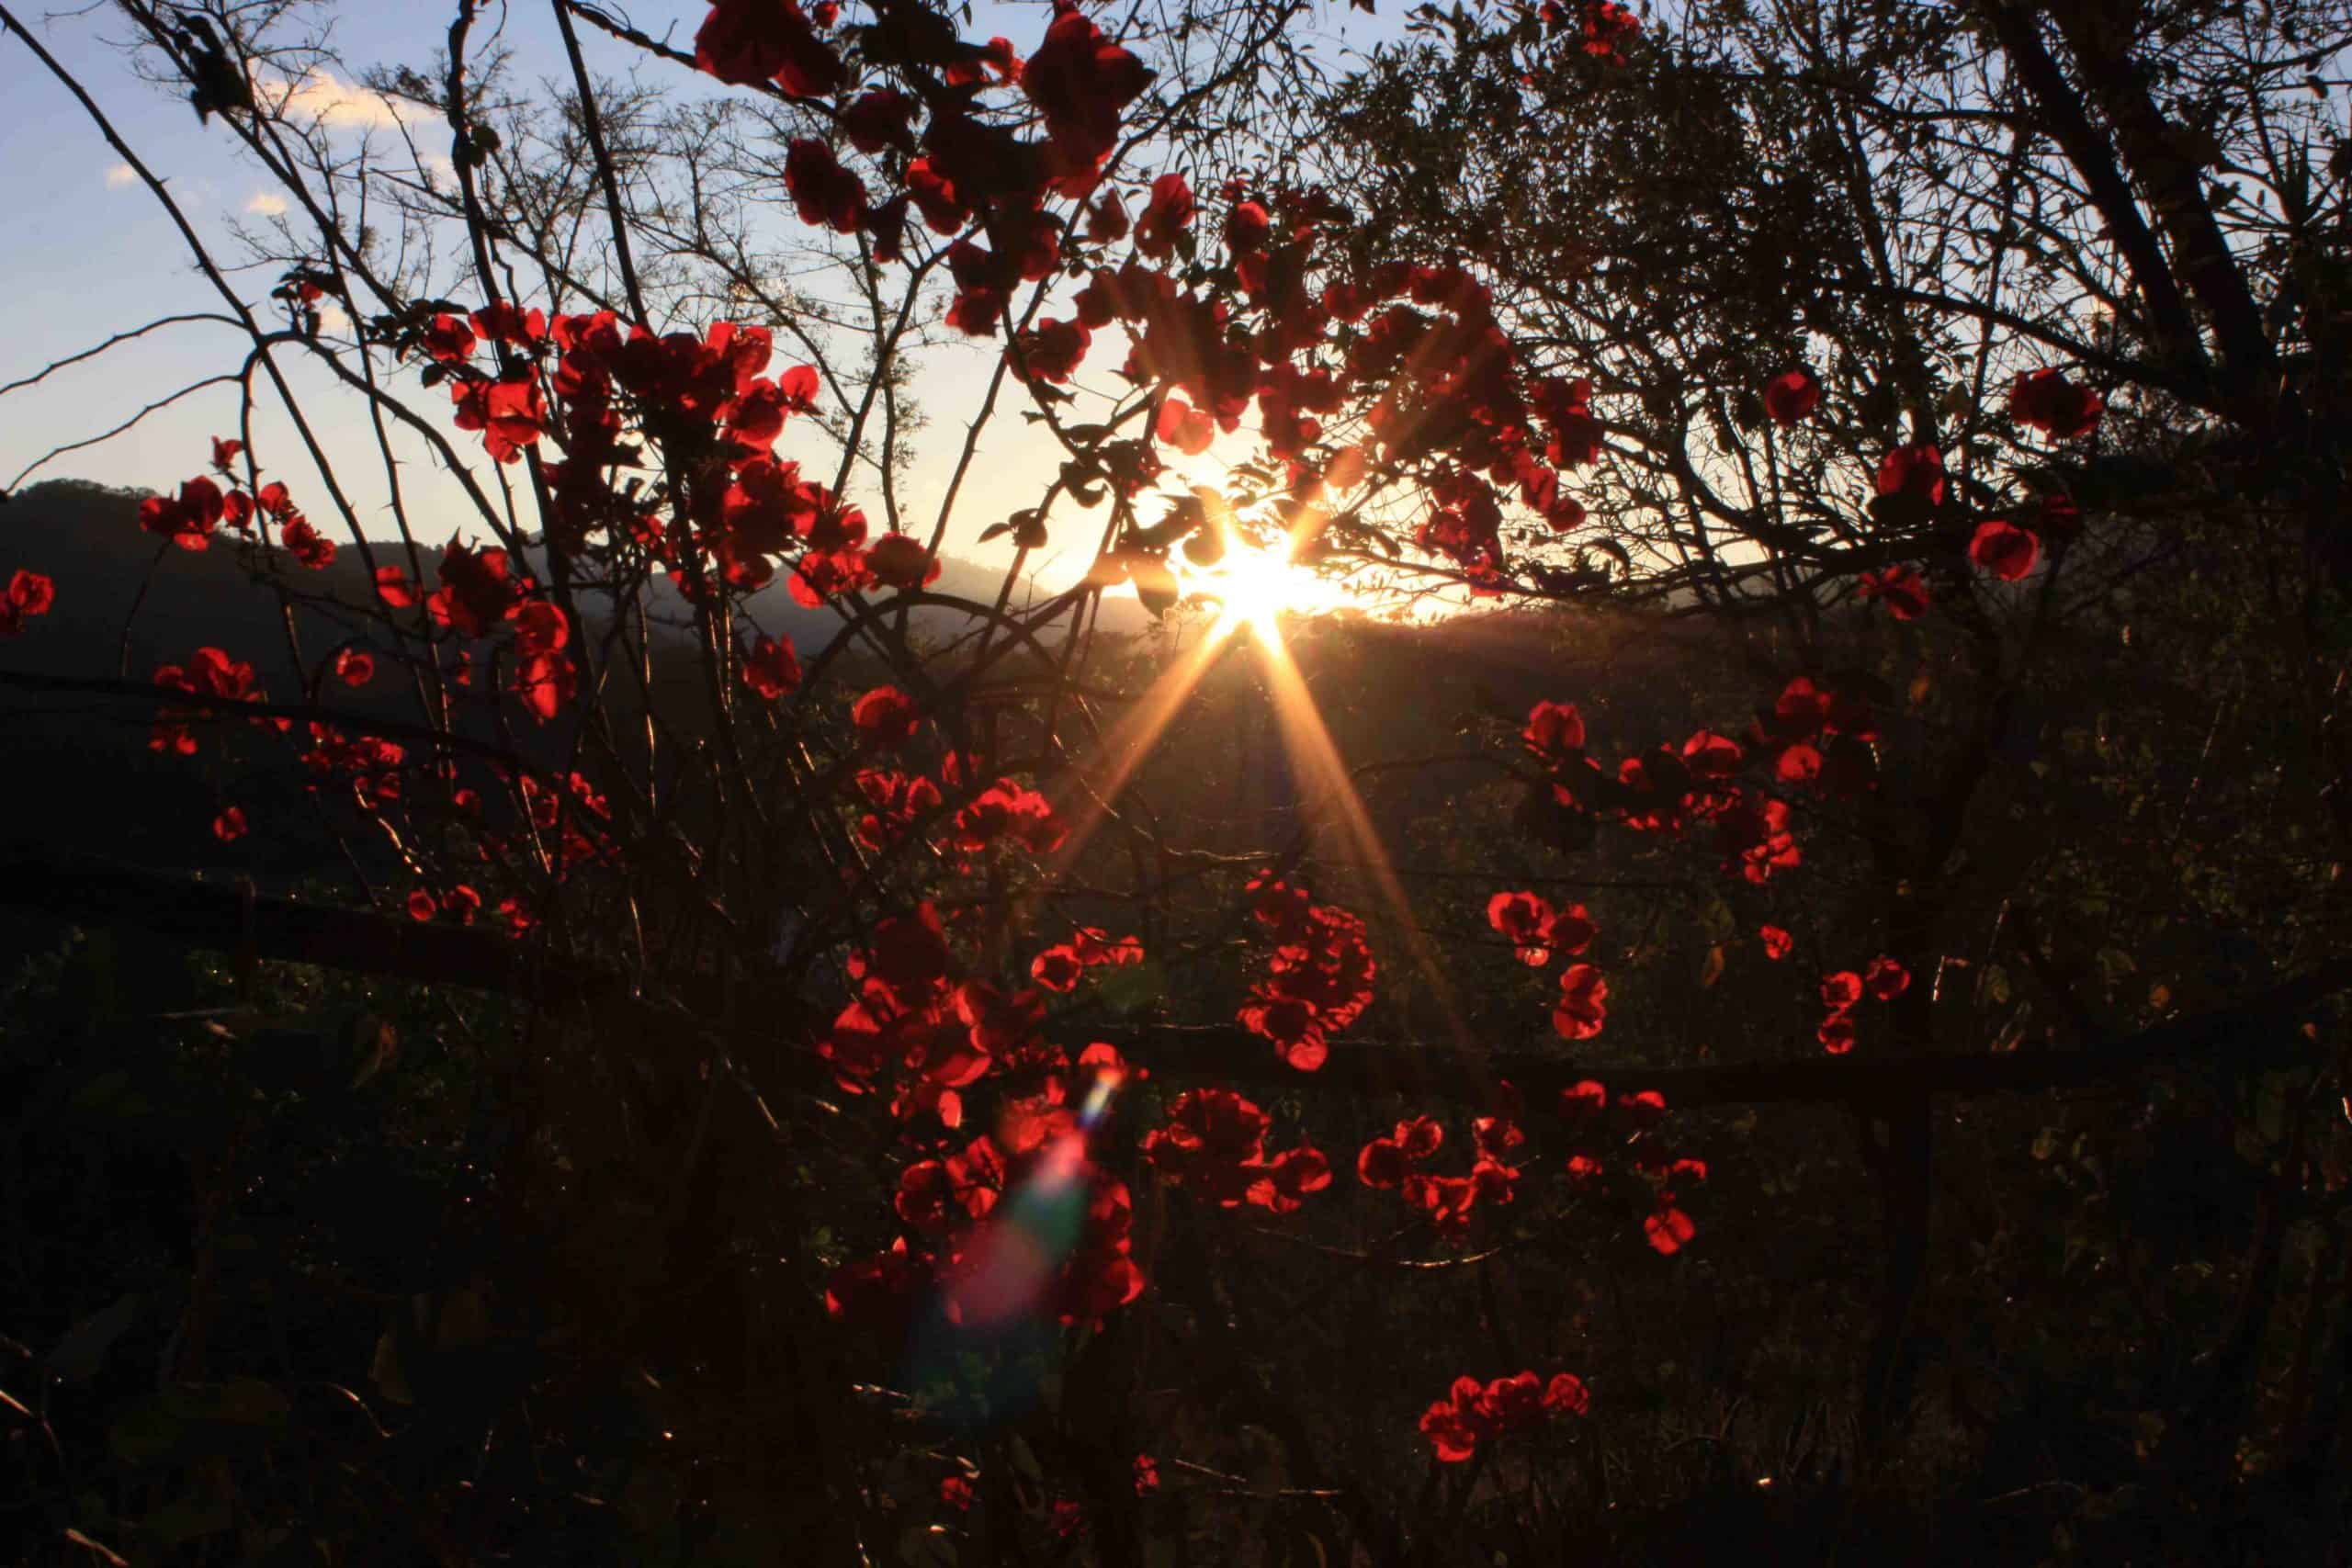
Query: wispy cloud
119, 175
267, 205
320, 95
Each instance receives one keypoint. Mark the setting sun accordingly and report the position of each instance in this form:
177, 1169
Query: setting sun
1256, 588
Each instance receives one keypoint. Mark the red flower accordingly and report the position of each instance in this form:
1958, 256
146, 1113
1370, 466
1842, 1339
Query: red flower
899, 560
510, 412
1571, 930
1916, 471
448, 339
825, 195
394, 587
1669, 1229
29, 594
877, 119
310, 548
1582, 1007
2059, 407
187, 520
1841, 990
1607, 27
1799, 764
745, 42
1903, 591
1106, 221
1836, 1034
1081, 80
1473, 1413
545, 682
1790, 397
936, 1194
771, 668
2003, 549
1566, 1395
1246, 228
1582, 1100
885, 715
230, 826
502, 322
1522, 918
1146, 1474
1051, 350
477, 591
1455, 1424
1183, 426
1554, 731
1169, 211
908, 955
1057, 968
1885, 978
224, 454
1289, 1177
353, 667
1777, 942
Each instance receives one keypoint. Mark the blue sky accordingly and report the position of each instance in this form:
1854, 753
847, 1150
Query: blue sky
89, 252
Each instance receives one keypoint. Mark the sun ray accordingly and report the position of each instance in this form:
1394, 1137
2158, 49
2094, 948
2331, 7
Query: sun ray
1312, 749
1124, 749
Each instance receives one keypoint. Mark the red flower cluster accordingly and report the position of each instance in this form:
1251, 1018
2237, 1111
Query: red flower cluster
1081, 81
1398, 1161
28, 594
1598, 1132
370, 765
1821, 738
1883, 978
894, 800
934, 1195
510, 410
1060, 967
1007, 811
1663, 790
748, 43
459, 905
1318, 973
189, 518
1473, 1413
211, 674
1215, 1143
983, 1270
2059, 408
186, 520
1538, 930
1607, 27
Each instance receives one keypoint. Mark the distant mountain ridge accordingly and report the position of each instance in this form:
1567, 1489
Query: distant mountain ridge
86, 538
